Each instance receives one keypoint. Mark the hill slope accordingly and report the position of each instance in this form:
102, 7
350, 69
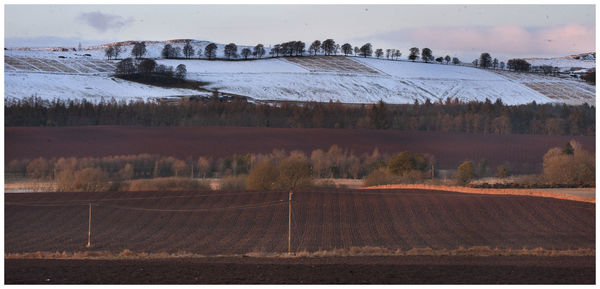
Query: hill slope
321, 78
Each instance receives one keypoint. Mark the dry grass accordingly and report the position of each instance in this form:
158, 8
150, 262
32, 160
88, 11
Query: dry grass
29, 186
467, 190
481, 251
167, 184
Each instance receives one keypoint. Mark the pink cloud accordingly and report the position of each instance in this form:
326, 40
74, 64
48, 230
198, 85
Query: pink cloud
513, 40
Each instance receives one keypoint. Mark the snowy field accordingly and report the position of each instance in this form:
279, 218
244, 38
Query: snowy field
346, 79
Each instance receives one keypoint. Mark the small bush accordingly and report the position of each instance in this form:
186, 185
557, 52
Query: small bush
85, 180
294, 173
378, 177
233, 183
407, 162
263, 176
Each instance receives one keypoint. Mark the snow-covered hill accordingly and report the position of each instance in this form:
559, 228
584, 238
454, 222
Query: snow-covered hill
348, 79
566, 63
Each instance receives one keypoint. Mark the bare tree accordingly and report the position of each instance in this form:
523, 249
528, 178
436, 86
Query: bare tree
447, 59
426, 55
455, 60
356, 50
230, 51
299, 47
180, 72
126, 67
328, 46
388, 52
259, 51
379, 52
414, 54
315, 47
485, 60
502, 64
210, 51
146, 67
188, 50
138, 50
276, 50
167, 51
495, 63
117, 50
397, 54
366, 50
109, 52
347, 49
246, 52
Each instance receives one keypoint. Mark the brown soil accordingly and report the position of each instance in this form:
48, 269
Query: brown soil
348, 270
212, 223
524, 152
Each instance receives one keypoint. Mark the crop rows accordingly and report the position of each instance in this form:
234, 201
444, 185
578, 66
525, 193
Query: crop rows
241, 222
331, 64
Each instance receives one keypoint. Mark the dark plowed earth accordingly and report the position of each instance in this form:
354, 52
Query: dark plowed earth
241, 222
524, 152
348, 270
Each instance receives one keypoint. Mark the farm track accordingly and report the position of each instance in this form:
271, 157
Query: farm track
523, 152
211, 223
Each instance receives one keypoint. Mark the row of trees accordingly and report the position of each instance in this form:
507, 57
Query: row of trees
451, 115
569, 165
517, 64
327, 47
290, 48
332, 163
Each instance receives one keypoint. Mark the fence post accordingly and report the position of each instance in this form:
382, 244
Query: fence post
89, 227
290, 223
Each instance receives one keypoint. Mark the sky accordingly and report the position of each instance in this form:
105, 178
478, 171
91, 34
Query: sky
504, 31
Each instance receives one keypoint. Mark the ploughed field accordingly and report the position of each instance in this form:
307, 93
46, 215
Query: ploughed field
523, 152
327, 270
211, 223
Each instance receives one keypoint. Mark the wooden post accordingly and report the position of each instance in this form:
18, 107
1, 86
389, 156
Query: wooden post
89, 227
290, 224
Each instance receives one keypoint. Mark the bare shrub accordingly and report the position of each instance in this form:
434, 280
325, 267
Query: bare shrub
91, 180
294, 173
571, 167
263, 176
38, 168
378, 177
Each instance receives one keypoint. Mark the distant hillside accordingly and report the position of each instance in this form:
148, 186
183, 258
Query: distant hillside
57, 73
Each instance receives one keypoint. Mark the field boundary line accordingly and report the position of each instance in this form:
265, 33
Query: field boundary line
467, 190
